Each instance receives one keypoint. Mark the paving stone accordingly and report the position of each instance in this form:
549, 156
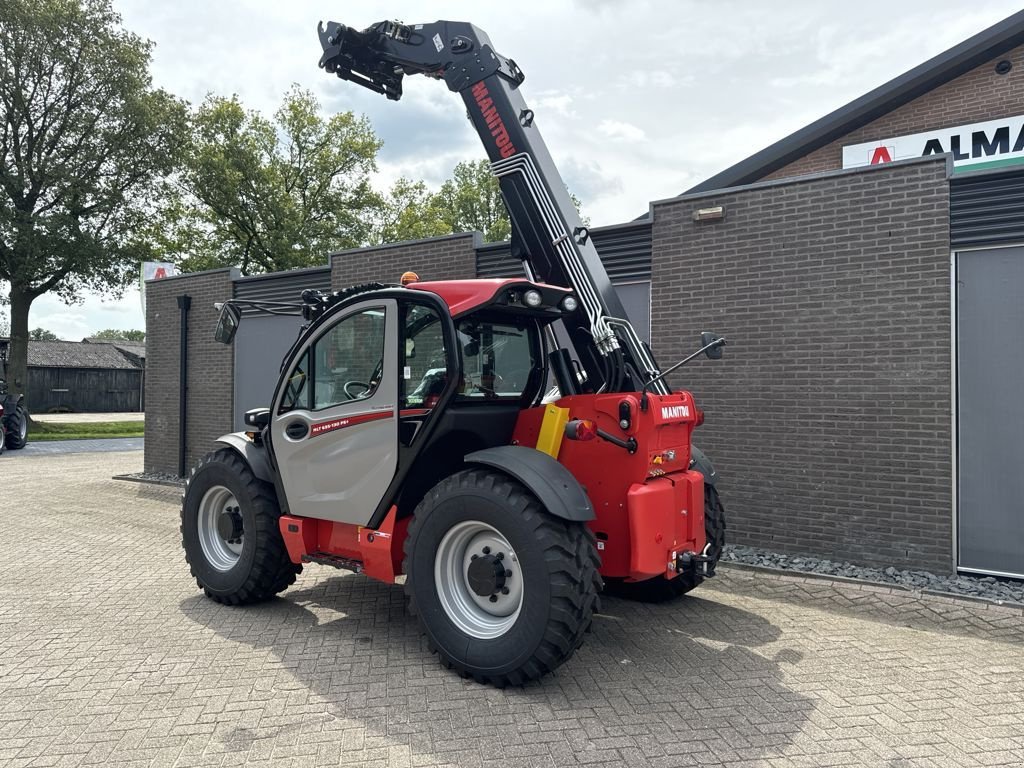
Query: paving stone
110, 656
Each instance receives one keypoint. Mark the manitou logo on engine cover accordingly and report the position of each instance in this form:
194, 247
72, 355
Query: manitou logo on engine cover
493, 120
675, 411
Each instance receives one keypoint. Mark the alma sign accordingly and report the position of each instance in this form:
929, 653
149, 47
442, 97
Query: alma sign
979, 145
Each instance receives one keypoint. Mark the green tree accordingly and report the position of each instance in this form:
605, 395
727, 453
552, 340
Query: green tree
41, 334
115, 334
408, 212
270, 195
470, 201
85, 141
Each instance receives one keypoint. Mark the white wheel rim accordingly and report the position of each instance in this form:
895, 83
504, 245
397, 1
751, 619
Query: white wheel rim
477, 615
220, 553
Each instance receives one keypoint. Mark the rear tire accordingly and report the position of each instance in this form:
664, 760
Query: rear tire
659, 589
17, 429
229, 530
453, 572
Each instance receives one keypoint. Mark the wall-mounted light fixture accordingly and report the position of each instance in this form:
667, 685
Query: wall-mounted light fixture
709, 214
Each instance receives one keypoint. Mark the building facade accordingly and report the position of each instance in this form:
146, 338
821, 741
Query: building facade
865, 271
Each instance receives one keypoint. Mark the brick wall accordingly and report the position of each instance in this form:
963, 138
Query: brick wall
439, 258
829, 417
978, 95
210, 368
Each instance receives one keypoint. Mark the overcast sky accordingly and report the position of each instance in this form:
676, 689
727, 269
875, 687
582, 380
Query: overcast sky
637, 100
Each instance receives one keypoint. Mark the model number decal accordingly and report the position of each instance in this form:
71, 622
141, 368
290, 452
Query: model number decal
493, 120
675, 411
349, 421
438, 44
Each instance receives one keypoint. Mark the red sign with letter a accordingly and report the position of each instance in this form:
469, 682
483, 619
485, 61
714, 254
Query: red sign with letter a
882, 155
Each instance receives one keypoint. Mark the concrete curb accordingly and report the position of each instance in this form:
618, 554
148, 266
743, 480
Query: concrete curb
873, 586
149, 481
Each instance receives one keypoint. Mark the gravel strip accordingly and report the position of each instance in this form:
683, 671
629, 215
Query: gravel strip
156, 478
985, 587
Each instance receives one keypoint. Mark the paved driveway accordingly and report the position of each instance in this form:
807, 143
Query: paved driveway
97, 445
110, 656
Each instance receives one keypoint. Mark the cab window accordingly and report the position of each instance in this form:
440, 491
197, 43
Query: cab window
425, 364
344, 365
497, 359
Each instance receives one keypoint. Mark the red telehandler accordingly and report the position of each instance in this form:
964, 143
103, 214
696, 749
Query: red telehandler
508, 446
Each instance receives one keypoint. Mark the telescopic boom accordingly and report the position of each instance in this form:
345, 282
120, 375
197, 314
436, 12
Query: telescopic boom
547, 233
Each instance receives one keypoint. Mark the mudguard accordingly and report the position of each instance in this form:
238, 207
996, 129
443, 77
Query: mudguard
700, 462
553, 485
255, 455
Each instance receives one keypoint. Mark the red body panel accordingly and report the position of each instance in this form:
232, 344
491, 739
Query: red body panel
628, 490
649, 506
379, 550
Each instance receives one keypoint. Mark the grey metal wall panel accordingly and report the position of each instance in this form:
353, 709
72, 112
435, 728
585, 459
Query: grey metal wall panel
625, 251
260, 344
986, 209
990, 427
281, 286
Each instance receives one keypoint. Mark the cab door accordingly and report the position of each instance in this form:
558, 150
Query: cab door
334, 428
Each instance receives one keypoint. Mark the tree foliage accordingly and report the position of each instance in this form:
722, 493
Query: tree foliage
85, 141
117, 334
270, 195
470, 201
410, 211
41, 334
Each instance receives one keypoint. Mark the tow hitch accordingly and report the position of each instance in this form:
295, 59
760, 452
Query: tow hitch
703, 563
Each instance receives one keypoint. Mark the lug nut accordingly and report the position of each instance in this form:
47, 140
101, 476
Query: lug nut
494, 598
487, 550
508, 573
500, 556
504, 590
474, 557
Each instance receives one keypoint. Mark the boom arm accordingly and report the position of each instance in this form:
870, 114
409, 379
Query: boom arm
547, 233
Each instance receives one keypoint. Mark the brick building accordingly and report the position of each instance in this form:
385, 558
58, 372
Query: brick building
865, 270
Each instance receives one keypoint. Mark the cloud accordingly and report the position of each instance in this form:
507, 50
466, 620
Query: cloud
621, 131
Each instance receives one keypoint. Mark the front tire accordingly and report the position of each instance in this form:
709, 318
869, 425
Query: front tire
504, 591
17, 429
229, 530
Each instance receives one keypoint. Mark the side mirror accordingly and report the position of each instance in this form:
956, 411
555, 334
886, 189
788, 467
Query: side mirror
227, 323
707, 339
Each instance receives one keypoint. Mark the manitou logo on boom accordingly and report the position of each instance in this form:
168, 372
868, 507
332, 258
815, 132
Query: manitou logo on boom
675, 411
493, 120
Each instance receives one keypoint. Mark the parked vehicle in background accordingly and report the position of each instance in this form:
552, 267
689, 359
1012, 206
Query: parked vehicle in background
13, 419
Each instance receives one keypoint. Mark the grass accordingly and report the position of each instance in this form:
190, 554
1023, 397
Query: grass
40, 430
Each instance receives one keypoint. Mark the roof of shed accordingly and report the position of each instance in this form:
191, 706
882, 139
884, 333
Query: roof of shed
76, 354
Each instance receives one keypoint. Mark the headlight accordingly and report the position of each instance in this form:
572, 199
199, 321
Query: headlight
569, 304
532, 298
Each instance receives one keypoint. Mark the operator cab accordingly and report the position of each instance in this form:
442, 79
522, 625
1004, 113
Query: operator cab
388, 389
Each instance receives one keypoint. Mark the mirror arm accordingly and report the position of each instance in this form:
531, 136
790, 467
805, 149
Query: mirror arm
720, 342
267, 306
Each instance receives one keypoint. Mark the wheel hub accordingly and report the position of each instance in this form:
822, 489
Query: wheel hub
219, 528
479, 579
486, 575
229, 524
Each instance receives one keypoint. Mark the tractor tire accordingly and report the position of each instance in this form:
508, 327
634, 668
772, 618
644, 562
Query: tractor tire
229, 530
659, 589
17, 429
503, 590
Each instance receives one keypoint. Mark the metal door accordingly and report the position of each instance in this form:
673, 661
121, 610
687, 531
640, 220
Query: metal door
990, 412
335, 424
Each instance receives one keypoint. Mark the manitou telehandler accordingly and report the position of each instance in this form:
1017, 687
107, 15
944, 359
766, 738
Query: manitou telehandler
508, 446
